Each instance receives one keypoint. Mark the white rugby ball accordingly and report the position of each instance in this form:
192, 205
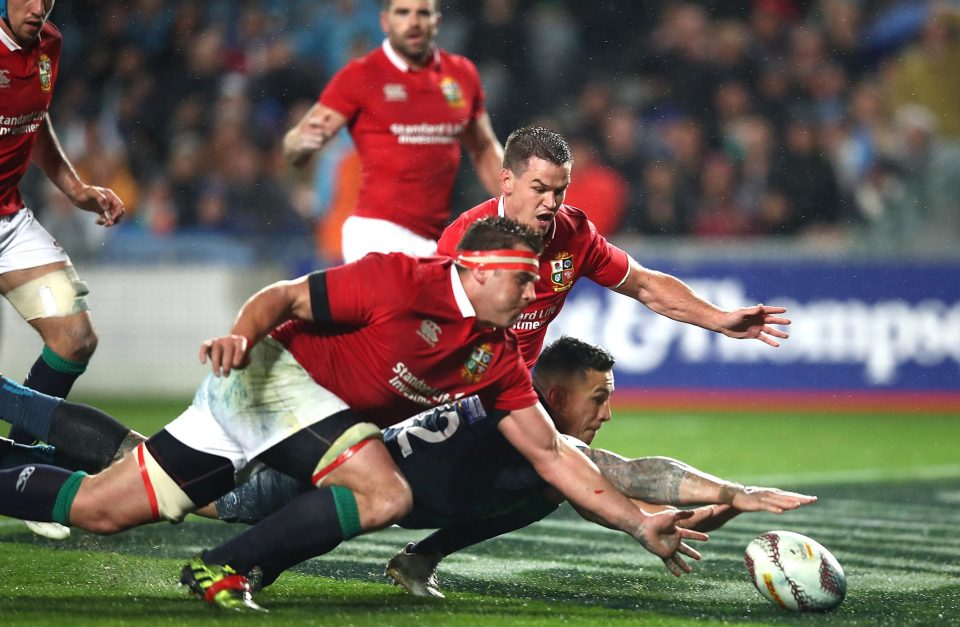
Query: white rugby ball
795, 572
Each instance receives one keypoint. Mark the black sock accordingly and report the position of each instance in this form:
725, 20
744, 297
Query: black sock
33, 492
460, 535
86, 438
307, 527
53, 375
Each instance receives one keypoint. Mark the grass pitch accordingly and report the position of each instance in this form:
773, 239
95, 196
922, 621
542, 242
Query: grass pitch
889, 488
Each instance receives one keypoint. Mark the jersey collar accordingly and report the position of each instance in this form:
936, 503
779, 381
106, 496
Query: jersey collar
8, 41
394, 57
460, 294
553, 228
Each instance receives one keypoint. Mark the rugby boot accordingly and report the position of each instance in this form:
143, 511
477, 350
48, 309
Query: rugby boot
219, 586
415, 573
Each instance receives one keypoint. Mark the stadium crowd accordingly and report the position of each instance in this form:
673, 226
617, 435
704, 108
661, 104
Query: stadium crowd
818, 119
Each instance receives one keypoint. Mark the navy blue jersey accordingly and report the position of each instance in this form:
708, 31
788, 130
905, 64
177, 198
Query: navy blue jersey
458, 464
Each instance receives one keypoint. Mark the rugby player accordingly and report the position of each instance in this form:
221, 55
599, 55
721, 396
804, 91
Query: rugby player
467, 480
36, 275
309, 372
408, 106
536, 171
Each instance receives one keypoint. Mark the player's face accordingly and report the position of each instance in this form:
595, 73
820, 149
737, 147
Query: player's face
410, 26
506, 293
27, 18
534, 196
585, 405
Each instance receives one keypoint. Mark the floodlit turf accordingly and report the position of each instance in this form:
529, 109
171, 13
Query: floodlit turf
889, 489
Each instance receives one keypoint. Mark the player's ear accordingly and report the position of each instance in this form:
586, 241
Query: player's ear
556, 396
506, 181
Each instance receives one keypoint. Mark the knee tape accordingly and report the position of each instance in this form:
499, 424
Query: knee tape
55, 294
167, 499
345, 447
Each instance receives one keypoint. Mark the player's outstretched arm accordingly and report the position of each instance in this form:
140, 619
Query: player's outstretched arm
669, 481
669, 296
580, 482
271, 306
49, 157
311, 133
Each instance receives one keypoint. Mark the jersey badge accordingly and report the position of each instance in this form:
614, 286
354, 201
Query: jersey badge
429, 332
477, 363
452, 92
561, 272
394, 92
4, 79
46, 72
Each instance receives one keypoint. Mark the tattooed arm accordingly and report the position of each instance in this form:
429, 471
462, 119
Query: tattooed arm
667, 481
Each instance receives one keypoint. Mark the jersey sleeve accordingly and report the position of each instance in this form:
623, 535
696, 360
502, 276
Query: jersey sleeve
515, 390
607, 264
342, 93
359, 292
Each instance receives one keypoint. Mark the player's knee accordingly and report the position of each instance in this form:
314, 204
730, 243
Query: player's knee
81, 341
98, 517
385, 505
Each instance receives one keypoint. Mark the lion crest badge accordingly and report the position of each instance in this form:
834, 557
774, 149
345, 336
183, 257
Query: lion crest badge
45, 72
477, 363
561, 272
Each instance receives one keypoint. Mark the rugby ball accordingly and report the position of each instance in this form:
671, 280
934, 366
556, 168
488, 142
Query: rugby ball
795, 572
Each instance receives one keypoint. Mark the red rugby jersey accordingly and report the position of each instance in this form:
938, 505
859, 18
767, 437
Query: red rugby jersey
406, 338
406, 124
573, 249
27, 77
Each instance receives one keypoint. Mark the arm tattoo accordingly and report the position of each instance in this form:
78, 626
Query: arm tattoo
652, 479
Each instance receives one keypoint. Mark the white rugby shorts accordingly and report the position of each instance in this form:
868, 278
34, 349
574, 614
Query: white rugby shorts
253, 409
370, 235
24, 243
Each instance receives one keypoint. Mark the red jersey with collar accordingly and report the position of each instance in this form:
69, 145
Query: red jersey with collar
400, 342
27, 77
407, 126
574, 249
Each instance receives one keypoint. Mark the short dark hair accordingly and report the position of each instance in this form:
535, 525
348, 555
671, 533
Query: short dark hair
569, 356
534, 141
385, 5
499, 232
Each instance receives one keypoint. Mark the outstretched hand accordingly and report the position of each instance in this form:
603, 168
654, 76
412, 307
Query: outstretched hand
225, 353
754, 323
774, 500
661, 535
101, 201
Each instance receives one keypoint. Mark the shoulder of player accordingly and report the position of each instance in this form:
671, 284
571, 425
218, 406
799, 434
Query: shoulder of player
371, 62
51, 32
51, 39
451, 60
573, 220
455, 230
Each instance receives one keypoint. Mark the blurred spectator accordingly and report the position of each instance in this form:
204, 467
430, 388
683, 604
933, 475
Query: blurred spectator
803, 180
717, 214
663, 209
920, 75
598, 189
